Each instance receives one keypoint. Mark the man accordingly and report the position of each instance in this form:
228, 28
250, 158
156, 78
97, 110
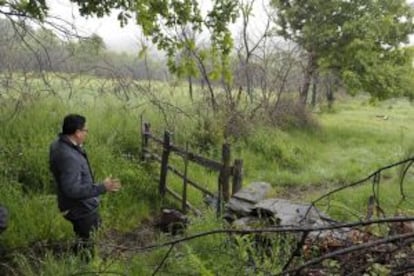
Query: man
77, 192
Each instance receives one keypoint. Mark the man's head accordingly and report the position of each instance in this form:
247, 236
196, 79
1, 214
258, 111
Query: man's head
74, 125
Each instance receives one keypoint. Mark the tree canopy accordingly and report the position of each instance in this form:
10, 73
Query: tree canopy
157, 18
361, 40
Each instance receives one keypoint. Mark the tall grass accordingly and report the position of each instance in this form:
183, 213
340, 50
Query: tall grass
347, 144
27, 188
32, 217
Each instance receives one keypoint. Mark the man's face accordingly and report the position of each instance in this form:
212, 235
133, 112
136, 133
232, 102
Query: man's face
81, 135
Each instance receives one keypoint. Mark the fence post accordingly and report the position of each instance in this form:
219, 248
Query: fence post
145, 132
224, 177
184, 203
164, 163
237, 176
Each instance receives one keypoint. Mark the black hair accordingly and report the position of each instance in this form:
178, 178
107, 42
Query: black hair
73, 122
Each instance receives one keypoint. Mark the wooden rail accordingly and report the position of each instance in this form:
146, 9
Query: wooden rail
225, 170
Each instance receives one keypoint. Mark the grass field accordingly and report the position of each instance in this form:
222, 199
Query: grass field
345, 145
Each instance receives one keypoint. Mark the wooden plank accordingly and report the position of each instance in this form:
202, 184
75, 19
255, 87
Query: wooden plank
237, 172
164, 163
143, 144
159, 141
225, 172
178, 197
181, 175
145, 132
189, 181
224, 168
153, 156
183, 205
205, 162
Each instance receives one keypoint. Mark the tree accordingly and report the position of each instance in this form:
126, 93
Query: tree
359, 39
155, 17
167, 23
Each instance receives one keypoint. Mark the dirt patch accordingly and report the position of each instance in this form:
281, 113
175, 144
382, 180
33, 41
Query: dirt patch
116, 243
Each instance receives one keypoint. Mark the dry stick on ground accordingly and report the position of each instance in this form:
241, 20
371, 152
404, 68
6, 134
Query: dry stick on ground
163, 260
402, 179
9, 268
375, 259
361, 181
348, 250
98, 273
296, 252
266, 230
376, 182
286, 229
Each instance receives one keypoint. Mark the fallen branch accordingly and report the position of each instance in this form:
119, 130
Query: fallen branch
284, 229
348, 250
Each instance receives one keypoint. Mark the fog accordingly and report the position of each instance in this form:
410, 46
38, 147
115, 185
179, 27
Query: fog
125, 39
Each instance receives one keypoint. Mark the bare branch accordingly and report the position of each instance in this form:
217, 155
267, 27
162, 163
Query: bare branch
409, 160
349, 250
163, 260
281, 229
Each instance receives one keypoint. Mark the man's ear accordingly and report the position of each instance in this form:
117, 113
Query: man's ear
77, 133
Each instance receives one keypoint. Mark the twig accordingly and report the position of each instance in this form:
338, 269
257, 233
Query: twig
363, 180
348, 250
164, 259
98, 273
402, 179
283, 229
296, 252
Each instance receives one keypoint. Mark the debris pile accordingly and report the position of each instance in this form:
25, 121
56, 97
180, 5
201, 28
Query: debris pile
331, 249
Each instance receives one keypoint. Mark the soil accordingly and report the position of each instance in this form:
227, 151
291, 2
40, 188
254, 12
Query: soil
116, 243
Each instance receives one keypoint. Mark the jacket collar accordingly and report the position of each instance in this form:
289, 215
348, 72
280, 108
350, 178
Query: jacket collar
65, 139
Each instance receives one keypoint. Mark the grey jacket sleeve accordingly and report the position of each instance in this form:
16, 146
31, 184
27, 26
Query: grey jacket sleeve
71, 181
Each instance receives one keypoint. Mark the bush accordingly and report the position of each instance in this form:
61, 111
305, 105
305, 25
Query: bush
273, 147
290, 113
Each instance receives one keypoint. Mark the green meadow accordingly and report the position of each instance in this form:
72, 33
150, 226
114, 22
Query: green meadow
337, 147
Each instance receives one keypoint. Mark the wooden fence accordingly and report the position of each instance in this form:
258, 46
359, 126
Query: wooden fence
225, 170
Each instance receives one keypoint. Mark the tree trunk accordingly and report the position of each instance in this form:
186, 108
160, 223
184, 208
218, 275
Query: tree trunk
190, 87
331, 86
309, 70
314, 87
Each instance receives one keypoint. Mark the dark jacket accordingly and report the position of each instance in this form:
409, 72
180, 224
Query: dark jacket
76, 192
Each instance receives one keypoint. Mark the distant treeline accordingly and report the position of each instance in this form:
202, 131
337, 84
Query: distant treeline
25, 48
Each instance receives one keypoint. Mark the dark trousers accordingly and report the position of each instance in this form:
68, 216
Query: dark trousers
83, 228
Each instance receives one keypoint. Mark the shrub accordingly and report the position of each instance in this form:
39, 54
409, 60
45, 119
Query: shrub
291, 114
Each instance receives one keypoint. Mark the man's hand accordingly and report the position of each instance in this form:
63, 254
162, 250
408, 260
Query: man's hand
112, 184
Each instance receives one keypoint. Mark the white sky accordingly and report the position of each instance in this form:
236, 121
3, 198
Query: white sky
115, 37
127, 38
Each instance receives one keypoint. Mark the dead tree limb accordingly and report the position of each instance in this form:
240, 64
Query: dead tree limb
163, 260
282, 229
409, 160
348, 250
